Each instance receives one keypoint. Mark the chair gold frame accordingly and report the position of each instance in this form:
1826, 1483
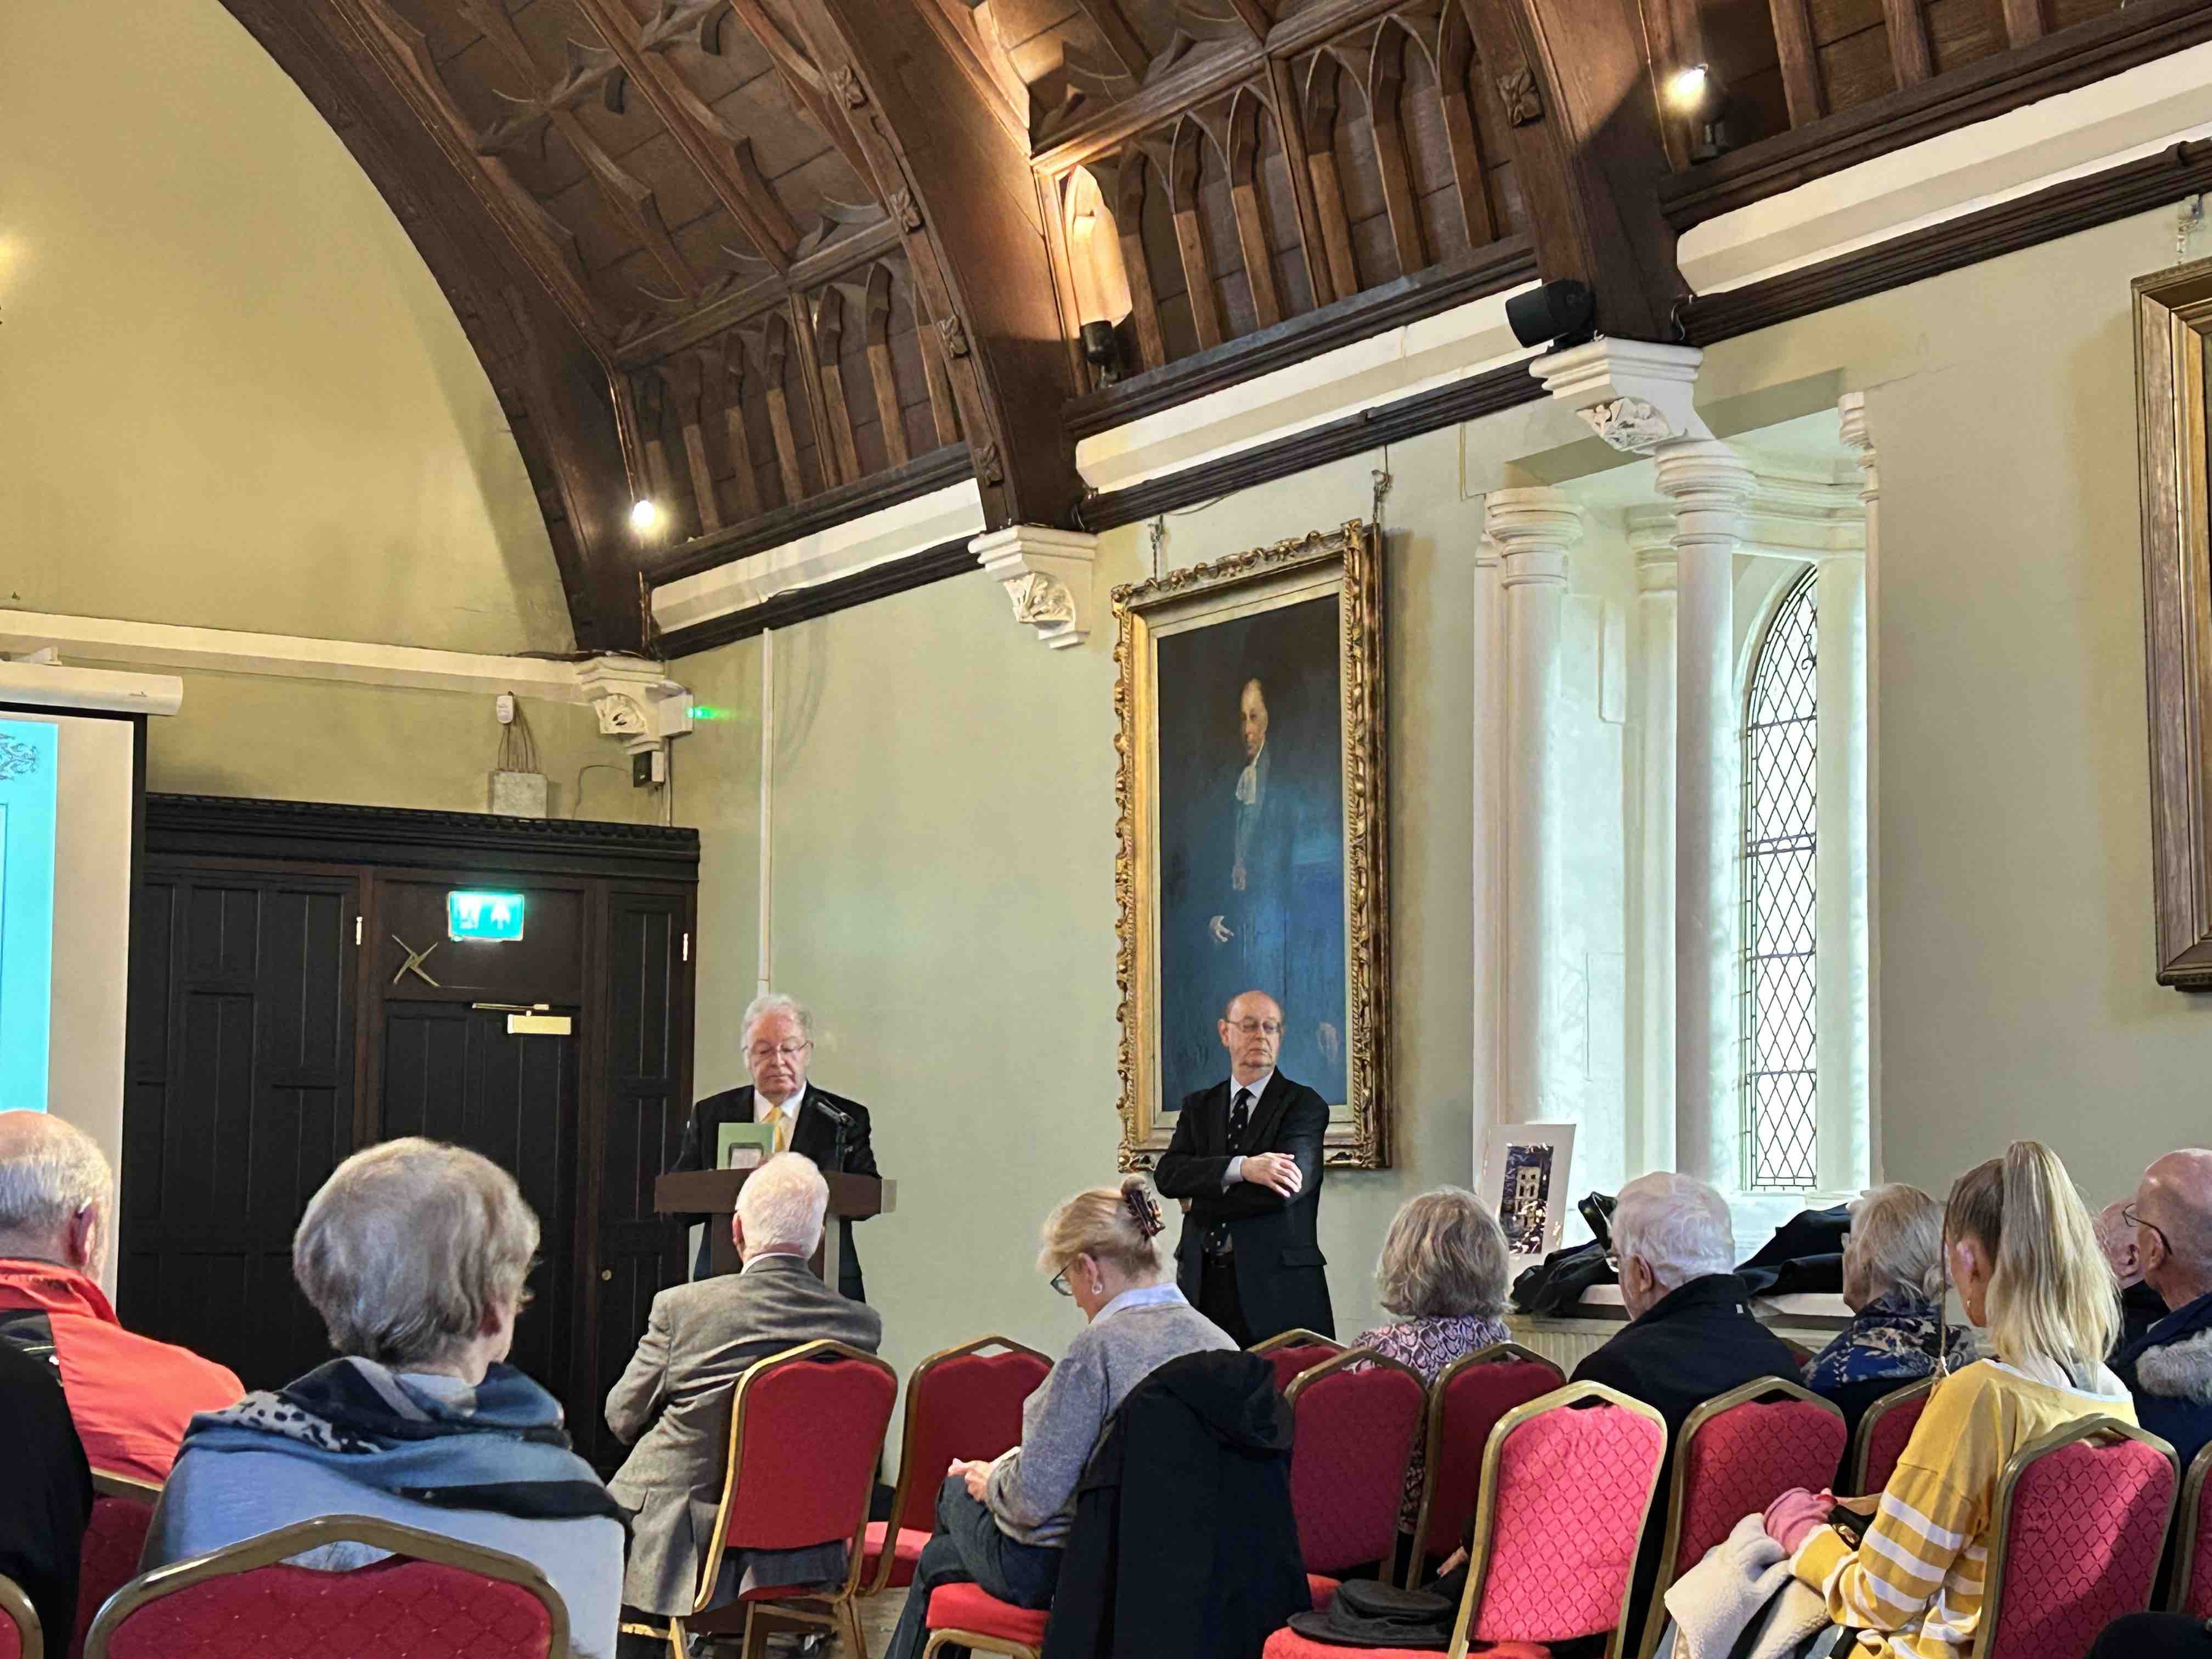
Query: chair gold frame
881, 1581
1296, 1337
1862, 1442
2185, 1508
106, 1483
1760, 1388
269, 1548
1347, 1360
976, 1641
2089, 1428
1486, 1505
15, 1605
837, 1611
1432, 1441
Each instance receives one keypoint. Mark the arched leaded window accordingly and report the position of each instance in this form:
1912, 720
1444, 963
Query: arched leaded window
1780, 1115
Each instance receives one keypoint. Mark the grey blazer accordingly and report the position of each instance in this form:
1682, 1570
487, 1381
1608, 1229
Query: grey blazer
673, 1402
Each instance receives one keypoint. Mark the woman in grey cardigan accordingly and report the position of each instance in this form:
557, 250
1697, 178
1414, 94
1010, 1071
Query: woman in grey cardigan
1002, 1524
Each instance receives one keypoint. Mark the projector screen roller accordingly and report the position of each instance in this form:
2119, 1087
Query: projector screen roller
69, 816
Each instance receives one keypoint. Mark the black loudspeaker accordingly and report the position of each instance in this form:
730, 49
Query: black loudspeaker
1562, 313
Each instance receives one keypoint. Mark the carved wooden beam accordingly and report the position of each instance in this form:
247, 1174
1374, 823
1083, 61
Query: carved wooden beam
1122, 41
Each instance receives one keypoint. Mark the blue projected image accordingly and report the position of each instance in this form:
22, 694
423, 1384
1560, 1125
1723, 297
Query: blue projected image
30, 764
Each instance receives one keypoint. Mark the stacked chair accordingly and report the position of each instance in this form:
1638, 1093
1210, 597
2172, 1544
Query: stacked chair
114, 1538
20, 1635
2189, 1590
1354, 1422
1883, 1434
1469, 1399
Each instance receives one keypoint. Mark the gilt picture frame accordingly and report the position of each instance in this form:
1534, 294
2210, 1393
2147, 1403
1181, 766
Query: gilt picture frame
1252, 831
2174, 353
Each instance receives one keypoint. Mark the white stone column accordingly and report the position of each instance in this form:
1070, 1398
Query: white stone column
1710, 489
1847, 588
1486, 977
1533, 529
1651, 847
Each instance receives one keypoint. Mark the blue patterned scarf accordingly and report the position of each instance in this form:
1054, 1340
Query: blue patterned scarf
1892, 1338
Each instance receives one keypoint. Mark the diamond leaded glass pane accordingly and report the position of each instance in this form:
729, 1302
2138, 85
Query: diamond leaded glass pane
1780, 1124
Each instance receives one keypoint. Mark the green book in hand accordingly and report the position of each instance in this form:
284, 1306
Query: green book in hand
743, 1146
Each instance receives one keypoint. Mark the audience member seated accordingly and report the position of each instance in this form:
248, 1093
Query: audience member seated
48, 1494
1004, 1524
2140, 1307
1894, 1285
2023, 1252
676, 1393
130, 1396
414, 1254
2168, 1368
1443, 1273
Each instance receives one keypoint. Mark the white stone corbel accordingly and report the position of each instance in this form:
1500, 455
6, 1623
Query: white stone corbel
635, 701
1634, 394
1047, 574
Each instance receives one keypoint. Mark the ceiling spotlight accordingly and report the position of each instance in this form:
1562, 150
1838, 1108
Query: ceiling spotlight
1686, 91
1698, 96
645, 518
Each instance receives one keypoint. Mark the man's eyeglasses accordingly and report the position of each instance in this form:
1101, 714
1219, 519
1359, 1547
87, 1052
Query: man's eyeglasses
779, 1051
1273, 1027
2129, 1215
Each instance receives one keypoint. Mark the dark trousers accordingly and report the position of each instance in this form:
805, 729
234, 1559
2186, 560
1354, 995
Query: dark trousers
1218, 1298
2154, 1635
968, 1548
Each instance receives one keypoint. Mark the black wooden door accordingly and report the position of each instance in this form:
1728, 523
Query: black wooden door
241, 1068
453, 1074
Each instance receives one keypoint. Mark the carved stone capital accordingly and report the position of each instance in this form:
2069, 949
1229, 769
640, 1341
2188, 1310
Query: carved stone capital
1048, 577
1533, 529
1851, 409
1634, 394
635, 701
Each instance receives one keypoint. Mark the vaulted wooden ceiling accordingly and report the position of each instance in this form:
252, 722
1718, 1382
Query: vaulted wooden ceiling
773, 263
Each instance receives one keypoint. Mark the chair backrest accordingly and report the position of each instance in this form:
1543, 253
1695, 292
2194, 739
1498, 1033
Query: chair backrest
1292, 1351
21, 1636
1736, 1454
806, 1426
1466, 1403
962, 1403
436, 1598
114, 1538
2082, 1522
1568, 1482
1353, 1421
1884, 1432
2192, 1591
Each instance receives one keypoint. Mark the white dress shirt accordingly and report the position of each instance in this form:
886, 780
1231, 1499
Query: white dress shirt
765, 1109
1258, 1086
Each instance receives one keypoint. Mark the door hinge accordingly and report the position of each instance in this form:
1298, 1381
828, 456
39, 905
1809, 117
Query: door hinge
687, 947
356, 930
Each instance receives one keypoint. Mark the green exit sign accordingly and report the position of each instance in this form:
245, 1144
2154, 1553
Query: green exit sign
484, 916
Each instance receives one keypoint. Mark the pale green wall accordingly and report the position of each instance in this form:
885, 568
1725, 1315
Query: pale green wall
232, 394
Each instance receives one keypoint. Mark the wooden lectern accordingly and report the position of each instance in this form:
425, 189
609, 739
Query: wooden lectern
710, 1196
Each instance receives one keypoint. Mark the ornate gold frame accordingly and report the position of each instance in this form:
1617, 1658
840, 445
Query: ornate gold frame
1862, 1442
2089, 1428
1362, 1139
2173, 331
1760, 1388
30, 1636
1497, 1353
267, 1549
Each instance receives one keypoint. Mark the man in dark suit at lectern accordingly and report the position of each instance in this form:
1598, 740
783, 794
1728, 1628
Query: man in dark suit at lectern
1247, 1155
778, 1035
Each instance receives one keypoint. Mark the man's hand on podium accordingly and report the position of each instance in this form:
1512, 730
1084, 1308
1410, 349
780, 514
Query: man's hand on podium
1277, 1172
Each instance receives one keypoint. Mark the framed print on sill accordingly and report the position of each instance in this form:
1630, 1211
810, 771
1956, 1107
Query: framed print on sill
1252, 833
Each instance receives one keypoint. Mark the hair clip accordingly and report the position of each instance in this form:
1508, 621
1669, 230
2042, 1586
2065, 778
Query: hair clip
1142, 1211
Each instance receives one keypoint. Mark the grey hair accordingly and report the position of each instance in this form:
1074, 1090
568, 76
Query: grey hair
782, 1202
773, 1002
50, 1171
408, 1246
1444, 1257
1896, 1245
1677, 1225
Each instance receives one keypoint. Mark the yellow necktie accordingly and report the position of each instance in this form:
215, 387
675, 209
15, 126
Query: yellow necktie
781, 1120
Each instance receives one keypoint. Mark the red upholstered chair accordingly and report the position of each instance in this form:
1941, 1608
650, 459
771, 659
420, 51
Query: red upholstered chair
1884, 1432
437, 1599
2082, 1522
2192, 1591
806, 1426
1466, 1403
1295, 1351
122, 1510
969, 1616
962, 1403
1737, 1455
20, 1635
1567, 1484
1353, 1422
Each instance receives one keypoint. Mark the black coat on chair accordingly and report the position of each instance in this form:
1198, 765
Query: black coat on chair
1281, 1274
1184, 1545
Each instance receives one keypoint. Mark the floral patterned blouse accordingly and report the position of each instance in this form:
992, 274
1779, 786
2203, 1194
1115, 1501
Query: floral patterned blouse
1428, 1345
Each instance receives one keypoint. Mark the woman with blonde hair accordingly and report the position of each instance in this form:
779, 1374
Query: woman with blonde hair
1003, 1524
2022, 1252
1893, 1285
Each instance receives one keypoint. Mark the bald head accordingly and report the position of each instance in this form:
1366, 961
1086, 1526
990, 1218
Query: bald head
1252, 1032
54, 1190
2173, 1230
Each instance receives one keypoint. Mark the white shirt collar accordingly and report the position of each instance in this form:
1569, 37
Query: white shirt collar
762, 1104
1142, 1296
773, 1255
1258, 1086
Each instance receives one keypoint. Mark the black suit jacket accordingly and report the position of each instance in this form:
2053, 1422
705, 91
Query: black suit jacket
815, 1135
1281, 1274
